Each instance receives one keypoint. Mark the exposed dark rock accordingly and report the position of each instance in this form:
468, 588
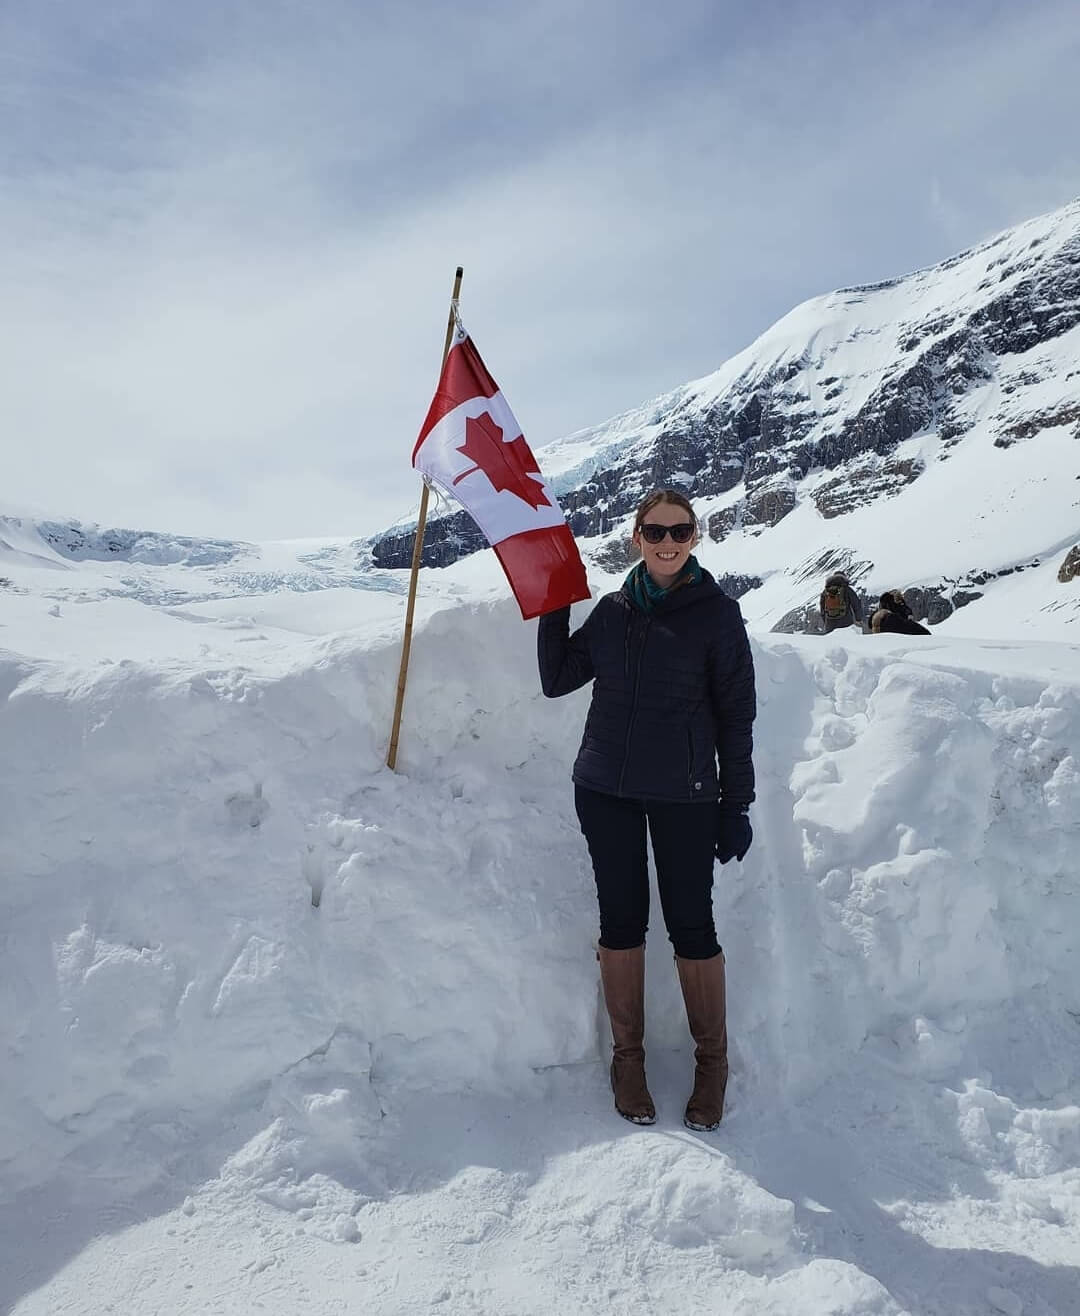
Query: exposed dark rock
1070, 568
952, 427
817, 567
1022, 379
445, 540
736, 586
803, 620
1043, 420
930, 604
723, 522
765, 464
1039, 308
769, 505
616, 555
863, 481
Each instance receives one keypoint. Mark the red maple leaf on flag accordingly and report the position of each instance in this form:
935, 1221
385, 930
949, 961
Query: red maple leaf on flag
509, 466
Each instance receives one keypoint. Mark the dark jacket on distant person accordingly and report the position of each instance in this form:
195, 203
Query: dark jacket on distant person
673, 700
893, 616
837, 588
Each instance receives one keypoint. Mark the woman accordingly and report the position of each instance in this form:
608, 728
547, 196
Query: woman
667, 744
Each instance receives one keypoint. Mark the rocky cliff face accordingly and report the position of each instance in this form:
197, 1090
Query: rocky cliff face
819, 410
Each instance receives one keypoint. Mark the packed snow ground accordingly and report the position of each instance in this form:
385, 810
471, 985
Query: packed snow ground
285, 1032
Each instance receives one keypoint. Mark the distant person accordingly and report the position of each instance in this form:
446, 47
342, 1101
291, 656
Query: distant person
667, 746
893, 616
840, 605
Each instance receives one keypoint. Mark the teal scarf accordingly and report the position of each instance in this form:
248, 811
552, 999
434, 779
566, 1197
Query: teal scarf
645, 593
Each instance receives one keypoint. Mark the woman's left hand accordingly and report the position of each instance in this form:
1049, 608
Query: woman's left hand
734, 834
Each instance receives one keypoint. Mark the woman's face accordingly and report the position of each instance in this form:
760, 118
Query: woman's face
665, 560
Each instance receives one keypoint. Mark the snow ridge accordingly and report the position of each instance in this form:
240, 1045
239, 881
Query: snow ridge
273, 992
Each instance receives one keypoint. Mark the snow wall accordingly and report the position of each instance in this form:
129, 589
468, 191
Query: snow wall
215, 897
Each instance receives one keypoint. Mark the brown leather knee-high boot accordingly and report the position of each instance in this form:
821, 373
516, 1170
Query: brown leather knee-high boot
622, 973
704, 992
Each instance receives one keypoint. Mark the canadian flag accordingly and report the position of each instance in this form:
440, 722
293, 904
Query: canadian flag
471, 446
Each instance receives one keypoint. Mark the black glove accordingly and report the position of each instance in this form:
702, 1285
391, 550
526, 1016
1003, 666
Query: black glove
733, 832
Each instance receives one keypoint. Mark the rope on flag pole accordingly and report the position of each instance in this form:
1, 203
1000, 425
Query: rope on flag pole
453, 320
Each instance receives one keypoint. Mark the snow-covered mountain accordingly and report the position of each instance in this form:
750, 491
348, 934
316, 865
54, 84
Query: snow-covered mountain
922, 432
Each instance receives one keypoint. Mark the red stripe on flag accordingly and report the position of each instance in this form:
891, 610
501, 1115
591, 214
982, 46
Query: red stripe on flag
544, 569
464, 376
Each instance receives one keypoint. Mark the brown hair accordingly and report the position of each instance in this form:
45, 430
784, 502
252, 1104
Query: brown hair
659, 496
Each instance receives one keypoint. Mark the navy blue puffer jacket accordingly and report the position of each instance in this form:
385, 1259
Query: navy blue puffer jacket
673, 699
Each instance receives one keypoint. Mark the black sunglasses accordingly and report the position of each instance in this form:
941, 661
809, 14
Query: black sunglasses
681, 533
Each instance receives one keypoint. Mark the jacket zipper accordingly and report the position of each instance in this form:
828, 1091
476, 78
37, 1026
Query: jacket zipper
633, 702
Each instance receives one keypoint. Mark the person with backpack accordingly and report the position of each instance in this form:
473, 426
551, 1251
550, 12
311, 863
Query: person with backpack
667, 749
839, 604
893, 616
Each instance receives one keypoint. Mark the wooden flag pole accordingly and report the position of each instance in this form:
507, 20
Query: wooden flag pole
418, 547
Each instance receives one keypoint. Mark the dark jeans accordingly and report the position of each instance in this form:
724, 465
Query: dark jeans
683, 837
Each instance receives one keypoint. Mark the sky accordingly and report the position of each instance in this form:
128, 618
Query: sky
228, 231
